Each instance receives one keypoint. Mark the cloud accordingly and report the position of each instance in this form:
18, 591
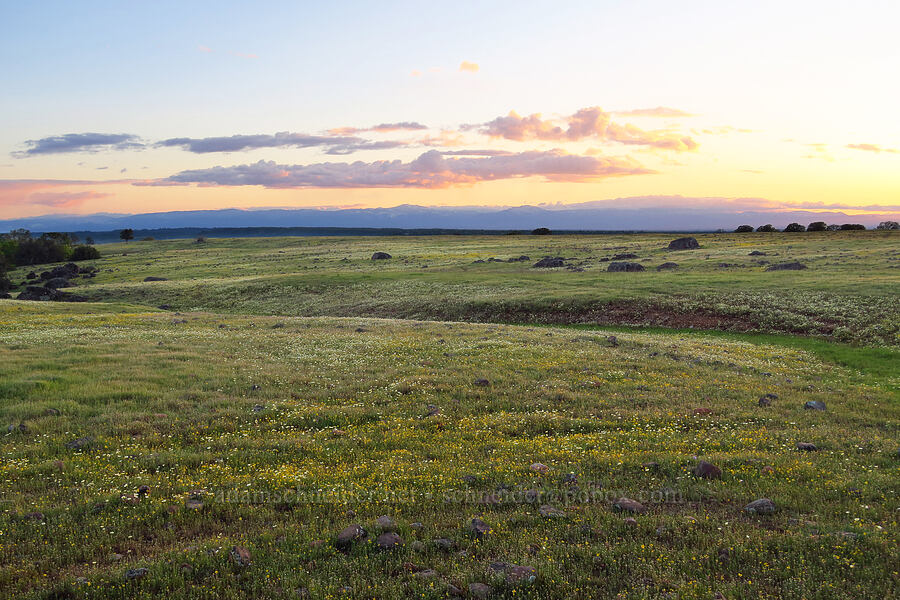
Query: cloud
80, 142
587, 123
381, 128
468, 67
237, 143
430, 170
659, 111
39, 191
872, 148
203, 48
64, 199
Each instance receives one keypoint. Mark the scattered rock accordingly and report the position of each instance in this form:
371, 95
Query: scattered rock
381, 256
707, 470
443, 544
625, 256
346, 538
685, 243
241, 556
44, 294
702, 411
515, 573
807, 447
385, 523
613, 340
788, 266
21, 428
58, 282
259, 408
481, 382
31, 275
51, 412
624, 267
629, 505
757, 253
34, 516
550, 263
479, 528
480, 590
651, 465
630, 521
133, 574
540, 468
763, 506
388, 541
550, 512
666, 266
151, 278
814, 405
79, 443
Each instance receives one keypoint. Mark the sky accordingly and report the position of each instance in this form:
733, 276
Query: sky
133, 107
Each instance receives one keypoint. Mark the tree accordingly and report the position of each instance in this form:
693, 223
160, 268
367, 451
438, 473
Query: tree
832, 227
888, 225
853, 227
84, 253
126, 234
795, 228
768, 228
744, 229
89, 241
541, 231
817, 226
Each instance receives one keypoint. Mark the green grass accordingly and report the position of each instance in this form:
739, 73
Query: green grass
277, 398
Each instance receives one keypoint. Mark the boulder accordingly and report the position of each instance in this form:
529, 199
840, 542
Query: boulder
479, 527
788, 266
629, 505
351, 534
550, 512
762, 506
388, 541
624, 267
480, 590
132, 574
58, 282
151, 278
550, 263
31, 275
381, 256
807, 447
667, 266
514, 574
625, 256
814, 405
241, 556
685, 243
757, 253
707, 470
385, 523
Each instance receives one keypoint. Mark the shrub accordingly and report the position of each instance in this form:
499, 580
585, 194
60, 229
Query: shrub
744, 229
888, 225
817, 226
541, 231
768, 228
45, 249
201, 239
795, 228
853, 227
84, 253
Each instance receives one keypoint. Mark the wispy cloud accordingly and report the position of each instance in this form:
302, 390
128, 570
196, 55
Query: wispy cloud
873, 148
236, 143
381, 128
80, 142
430, 170
468, 67
64, 199
659, 111
587, 123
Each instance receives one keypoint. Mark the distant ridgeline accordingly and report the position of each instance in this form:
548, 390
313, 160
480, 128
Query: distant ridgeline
175, 233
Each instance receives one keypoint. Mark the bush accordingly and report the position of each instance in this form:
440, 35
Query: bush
84, 253
795, 228
853, 227
890, 225
766, 228
744, 229
541, 231
817, 226
200, 239
36, 251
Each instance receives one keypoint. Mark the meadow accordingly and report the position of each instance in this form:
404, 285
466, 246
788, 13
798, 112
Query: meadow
211, 435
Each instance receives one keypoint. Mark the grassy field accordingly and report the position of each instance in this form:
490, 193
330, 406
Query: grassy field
269, 409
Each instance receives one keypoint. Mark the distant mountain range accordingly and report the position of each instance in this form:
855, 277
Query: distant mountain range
582, 217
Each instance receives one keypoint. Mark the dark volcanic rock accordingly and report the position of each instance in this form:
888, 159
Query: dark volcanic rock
629, 505
79, 443
133, 574
151, 278
666, 266
685, 243
479, 528
550, 263
37, 293
707, 470
788, 266
388, 541
58, 282
381, 256
625, 256
622, 267
31, 275
814, 405
757, 253
807, 447
351, 534
763, 506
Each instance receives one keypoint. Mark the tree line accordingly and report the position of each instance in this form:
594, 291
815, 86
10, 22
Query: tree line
19, 248
818, 226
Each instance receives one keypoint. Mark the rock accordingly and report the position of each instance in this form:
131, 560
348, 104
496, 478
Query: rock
757, 253
630, 521
685, 243
707, 470
703, 411
351, 534
763, 506
625, 256
539, 468
481, 382
613, 341
416, 525
241, 556
34, 516
432, 411
550, 512
807, 447
443, 544
624, 267
193, 504
51, 412
21, 428
143, 490
79, 443
259, 408
133, 574
31, 275
385, 523
381, 256
480, 590
814, 405
5, 296
417, 546
629, 505
388, 541
666, 266
550, 263
479, 528
788, 266
515, 573
426, 574
151, 278
58, 282
651, 465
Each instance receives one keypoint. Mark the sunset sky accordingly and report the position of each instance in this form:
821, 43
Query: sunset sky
130, 107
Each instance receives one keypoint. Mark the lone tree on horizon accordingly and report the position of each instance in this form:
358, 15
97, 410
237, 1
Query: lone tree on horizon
126, 234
